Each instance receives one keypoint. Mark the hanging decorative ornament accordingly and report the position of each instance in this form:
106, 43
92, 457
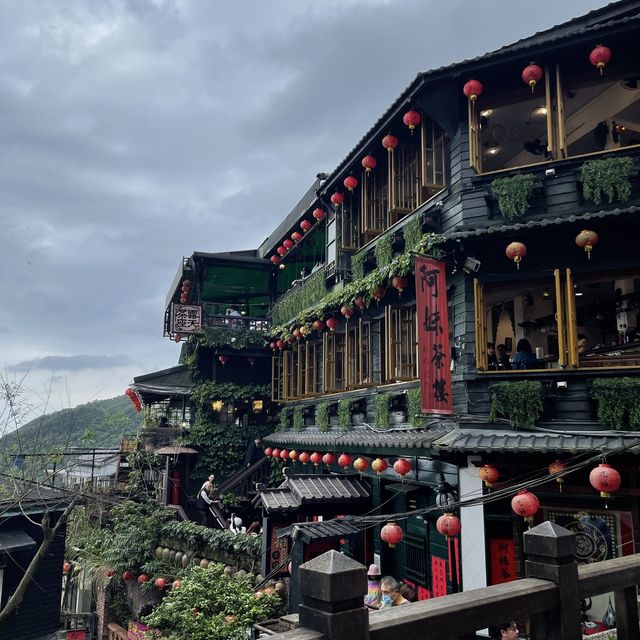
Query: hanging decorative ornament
275, 454
305, 225
379, 465
223, 360
600, 57
488, 474
411, 119
586, 240
177, 337
304, 457
402, 467
531, 75
337, 199
400, 283
360, 302
347, 312
516, 251
284, 454
333, 323
293, 455
390, 142
296, 236
142, 578
281, 250
378, 293
318, 325
275, 260
557, 466
268, 451
605, 479
273, 346
288, 243
361, 465
186, 285
304, 331
280, 344
448, 525
473, 89
296, 334
291, 338
329, 459
127, 576
316, 458
252, 360
525, 504
350, 183
369, 163
345, 461
319, 214
392, 534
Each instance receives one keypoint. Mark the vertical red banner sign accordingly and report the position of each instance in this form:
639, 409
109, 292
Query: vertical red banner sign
434, 354
503, 560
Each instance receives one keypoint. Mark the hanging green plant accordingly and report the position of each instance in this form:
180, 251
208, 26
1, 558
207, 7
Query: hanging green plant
383, 251
610, 176
344, 413
618, 401
412, 233
382, 408
232, 337
322, 416
285, 412
228, 392
513, 194
357, 265
314, 288
414, 408
298, 418
518, 402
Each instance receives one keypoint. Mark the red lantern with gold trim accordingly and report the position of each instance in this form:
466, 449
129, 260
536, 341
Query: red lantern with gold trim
531, 75
281, 250
516, 251
473, 89
288, 243
280, 344
390, 142
328, 459
347, 312
296, 236
223, 360
305, 225
379, 465
275, 260
316, 458
332, 323
392, 534
268, 451
586, 240
557, 466
318, 325
525, 504
400, 283
284, 454
345, 461
412, 119
448, 525
369, 163
605, 479
350, 182
276, 453
361, 465
402, 467
378, 293
293, 455
488, 474
319, 214
599, 57
304, 457
337, 199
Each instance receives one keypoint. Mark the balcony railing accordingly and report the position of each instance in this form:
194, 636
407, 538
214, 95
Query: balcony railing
233, 322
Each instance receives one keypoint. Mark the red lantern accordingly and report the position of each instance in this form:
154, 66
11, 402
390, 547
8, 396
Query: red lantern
337, 199
186, 285
293, 455
296, 334
516, 251
557, 466
586, 240
142, 578
448, 525
350, 183
223, 360
284, 454
273, 346
369, 163
411, 119
361, 465
288, 243
525, 504
252, 360
379, 465
392, 534
305, 225
402, 467
296, 236
389, 142
329, 459
160, 583
268, 451
378, 293
280, 344
345, 461
333, 323
400, 283
319, 214
111, 572
347, 312
532, 74
488, 474
275, 260
127, 575
184, 299
177, 337
66, 567
281, 250
176, 584
304, 457
473, 89
605, 479
318, 325
360, 302
316, 458
599, 57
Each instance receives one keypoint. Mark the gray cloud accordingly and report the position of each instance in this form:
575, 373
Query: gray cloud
70, 363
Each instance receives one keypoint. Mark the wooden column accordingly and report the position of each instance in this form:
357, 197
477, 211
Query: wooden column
626, 604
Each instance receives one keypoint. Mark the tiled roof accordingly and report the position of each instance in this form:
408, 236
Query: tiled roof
495, 441
323, 530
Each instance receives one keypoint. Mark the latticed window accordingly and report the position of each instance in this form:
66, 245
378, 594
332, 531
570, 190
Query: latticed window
334, 361
277, 379
402, 343
292, 374
374, 205
311, 363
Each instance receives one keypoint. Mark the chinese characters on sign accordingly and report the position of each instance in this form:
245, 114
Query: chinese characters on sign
434, 355
186, 318
503, 560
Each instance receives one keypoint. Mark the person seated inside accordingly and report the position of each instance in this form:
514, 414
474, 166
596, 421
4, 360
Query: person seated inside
492, 360
502, 357
390, 592
583, 344
524, 358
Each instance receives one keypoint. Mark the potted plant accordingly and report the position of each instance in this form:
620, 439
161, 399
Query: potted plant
513, 194
608, 176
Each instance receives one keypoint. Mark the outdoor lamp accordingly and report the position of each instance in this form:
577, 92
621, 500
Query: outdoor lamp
217, 405
257, 406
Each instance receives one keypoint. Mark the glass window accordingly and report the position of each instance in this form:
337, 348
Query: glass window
402, 344
334, 362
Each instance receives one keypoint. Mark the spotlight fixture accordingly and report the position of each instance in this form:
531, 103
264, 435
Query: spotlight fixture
471, 264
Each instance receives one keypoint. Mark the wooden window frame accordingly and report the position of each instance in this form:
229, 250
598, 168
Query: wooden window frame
311, 377
277, 379
374, 215
409, 346
348, 225
332, 343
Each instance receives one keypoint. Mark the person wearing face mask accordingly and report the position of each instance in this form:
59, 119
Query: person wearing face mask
391, 596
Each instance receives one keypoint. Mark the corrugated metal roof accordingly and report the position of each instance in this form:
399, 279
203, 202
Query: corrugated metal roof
15, 540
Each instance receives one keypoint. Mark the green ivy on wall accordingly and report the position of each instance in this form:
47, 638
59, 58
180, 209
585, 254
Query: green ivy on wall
414, 408
232, 337
412, 233
285, 414
513, 194
519, 402
618, 401
206, 392
383, 251
357, 265
298, 418
314, 288
382, 409
322, 416
609, 176
344, 413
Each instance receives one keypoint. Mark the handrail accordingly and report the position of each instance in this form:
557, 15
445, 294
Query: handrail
233, 322
116, 632
241, 475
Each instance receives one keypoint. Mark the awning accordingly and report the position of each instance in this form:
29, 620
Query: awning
15, 540
173, 451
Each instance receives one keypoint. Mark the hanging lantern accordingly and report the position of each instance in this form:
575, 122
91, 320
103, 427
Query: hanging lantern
305, 225
318, 325
337, 199
347, 312
304, 457
296, 334
488, 474
350, 183
296, 236
379, 465
586, 240
400, 283
525, 504
127, 575
390, 142
378, 293
316, 458
288, 243
361, 465
332, 323
273, 346
557, 466
160, 583
402, 467
187, 285
605, 479
223, 360
360, 302
345, 461
275, 260
516, 251
319, 214
280, 344
284, 454
142, 578
369, 163
268, 451
281, 250
411, 119
291, 338
473, 89
328, 459
599, 57
531, 75
176, 584
184, 299
392, 534
304, 331
448, 525
252, 360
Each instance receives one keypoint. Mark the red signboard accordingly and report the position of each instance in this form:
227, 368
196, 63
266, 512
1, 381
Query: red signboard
434, 355
503, 560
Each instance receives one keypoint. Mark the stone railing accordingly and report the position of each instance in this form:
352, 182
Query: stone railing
116, 632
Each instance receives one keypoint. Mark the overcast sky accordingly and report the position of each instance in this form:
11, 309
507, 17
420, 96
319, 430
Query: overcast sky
137, 131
